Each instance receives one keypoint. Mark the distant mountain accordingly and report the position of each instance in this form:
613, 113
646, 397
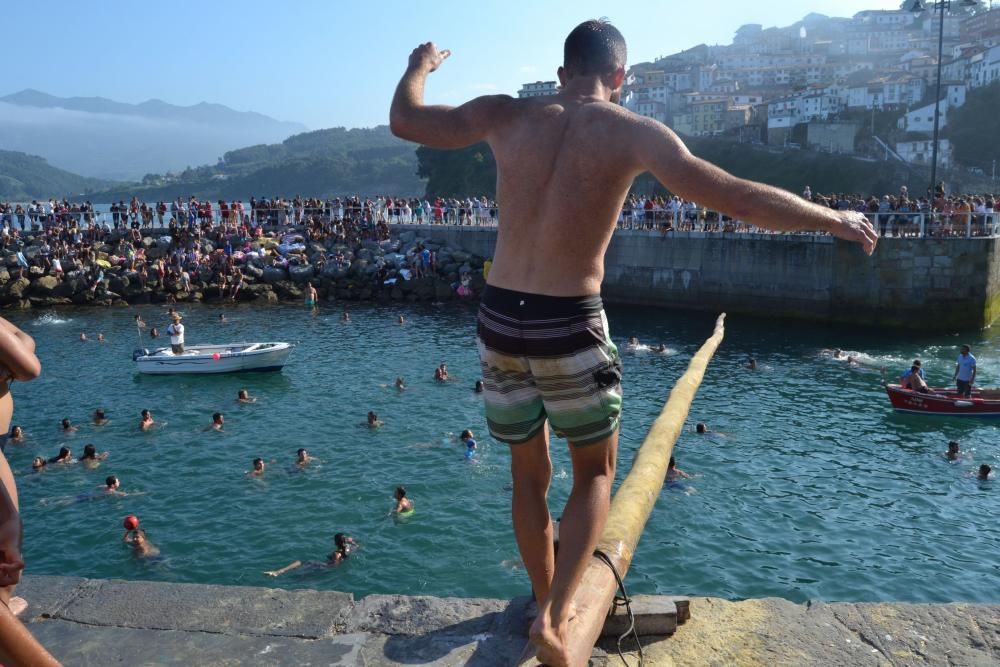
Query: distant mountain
332, 162
103, 138
26, 177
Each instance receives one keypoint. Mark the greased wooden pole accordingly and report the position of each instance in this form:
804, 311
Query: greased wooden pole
631, 507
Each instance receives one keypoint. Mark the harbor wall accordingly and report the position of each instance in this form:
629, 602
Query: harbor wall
939, 284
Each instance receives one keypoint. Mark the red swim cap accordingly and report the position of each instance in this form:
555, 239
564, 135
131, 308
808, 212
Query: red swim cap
131, 522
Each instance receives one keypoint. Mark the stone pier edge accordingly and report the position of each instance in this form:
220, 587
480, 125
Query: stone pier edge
102, 622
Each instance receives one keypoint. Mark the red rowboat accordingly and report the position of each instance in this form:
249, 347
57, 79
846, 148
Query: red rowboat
983, 403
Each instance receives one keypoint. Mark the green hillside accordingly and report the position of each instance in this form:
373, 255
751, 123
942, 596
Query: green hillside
25, 177
328, 162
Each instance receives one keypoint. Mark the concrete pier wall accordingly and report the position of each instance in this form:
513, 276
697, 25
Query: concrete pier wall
86, 622
944, 284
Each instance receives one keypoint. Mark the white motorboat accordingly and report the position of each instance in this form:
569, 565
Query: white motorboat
232, 358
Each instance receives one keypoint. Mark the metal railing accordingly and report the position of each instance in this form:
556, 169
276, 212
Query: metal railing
888, 224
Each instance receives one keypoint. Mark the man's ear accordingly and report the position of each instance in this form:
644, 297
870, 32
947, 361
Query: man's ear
561, 73
618, 78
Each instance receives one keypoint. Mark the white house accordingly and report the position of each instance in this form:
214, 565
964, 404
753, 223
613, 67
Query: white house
922, 152
538, 89
922, 119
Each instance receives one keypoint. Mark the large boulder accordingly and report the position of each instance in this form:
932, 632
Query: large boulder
273, 274
358, 267
13, 291
442, 291
118, 283
335, 271
408, 236
48, 301
44, 286
461, 256
301, 273
253, 271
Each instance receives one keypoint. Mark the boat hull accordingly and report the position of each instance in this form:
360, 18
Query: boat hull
215, 359
944, 402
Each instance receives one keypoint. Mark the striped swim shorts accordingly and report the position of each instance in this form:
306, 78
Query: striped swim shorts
548, 357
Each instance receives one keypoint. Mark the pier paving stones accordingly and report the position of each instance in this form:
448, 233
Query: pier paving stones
97, 622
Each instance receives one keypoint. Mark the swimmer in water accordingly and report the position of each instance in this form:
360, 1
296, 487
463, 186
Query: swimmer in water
139, 322
83, 337
400, 384
401, 320
344, 545
100, 338
302, 458
661, 348
154, 333
141, 546
38, 464
441, 373
374, 421
673, 472
954, 451
244, 397
222, 318
64, 456
480, 387
311, 296
632, 343
110, 487
16, 434
984, 472
346, 317
91, 458
258, 468
146, 421
218, 421
701, 429
403, 504
67, 426
751, 364
470, 444
100, 419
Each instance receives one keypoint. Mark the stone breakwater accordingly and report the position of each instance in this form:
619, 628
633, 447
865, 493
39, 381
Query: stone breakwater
364, 271
108, 622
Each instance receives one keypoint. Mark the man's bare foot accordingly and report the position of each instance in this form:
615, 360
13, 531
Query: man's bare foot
550, 639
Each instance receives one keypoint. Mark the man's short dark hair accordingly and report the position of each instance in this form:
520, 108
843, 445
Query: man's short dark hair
594, 47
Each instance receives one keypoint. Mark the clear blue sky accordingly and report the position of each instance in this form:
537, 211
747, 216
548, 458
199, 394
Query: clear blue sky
326, 63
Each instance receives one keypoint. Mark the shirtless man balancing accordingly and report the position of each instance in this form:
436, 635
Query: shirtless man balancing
564, 167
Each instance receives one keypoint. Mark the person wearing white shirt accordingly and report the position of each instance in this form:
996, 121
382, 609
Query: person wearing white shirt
176, 332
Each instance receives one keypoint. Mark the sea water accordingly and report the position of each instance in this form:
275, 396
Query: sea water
810, 487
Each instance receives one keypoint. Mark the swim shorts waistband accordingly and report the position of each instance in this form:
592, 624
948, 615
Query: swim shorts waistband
540, 306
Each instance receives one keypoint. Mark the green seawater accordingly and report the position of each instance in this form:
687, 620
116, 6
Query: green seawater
813, 488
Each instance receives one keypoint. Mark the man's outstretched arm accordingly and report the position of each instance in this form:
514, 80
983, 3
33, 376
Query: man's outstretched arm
665, 155
438, 126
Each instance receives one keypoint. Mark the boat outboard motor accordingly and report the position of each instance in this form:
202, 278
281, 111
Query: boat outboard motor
139, 352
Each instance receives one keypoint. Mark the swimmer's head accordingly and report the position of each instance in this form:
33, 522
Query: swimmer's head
258, 464
243, 394
837, 352
953, 447
466, 434
700, 428
37, 462
302, 454
218, 419
90, 452
672, 463
145, 414
480, 386
64, 453
16, 432
400, 493
66, 424
372, 417
341, 540
595, 48
99, 414
984, 471
112, 482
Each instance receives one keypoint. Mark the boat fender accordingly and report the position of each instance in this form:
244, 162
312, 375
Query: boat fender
139, 352
964, 404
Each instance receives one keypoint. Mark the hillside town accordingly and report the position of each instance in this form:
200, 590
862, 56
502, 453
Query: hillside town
819, 83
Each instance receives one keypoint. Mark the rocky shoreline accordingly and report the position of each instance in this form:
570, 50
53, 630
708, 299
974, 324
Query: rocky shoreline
365, 271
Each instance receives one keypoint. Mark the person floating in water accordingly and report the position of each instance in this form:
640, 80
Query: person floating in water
701, 428
146, 420
374, 421
154, 333
141, 546
222, 318
403, 504
67, 426
402, 320
64, 456
750, 364
441, 373
83, 337
346, 317
139, 323
258, 468
470, 444
984, 472
302, 458
100, 419
38, 463
954, 451
400, 384
16, 435
91, 458
344, 544
244, 397
579, 135
480, 387
673, 472
218, 422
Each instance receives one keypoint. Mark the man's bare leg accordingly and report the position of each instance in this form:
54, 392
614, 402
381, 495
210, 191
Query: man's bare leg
581, 526
531, 469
